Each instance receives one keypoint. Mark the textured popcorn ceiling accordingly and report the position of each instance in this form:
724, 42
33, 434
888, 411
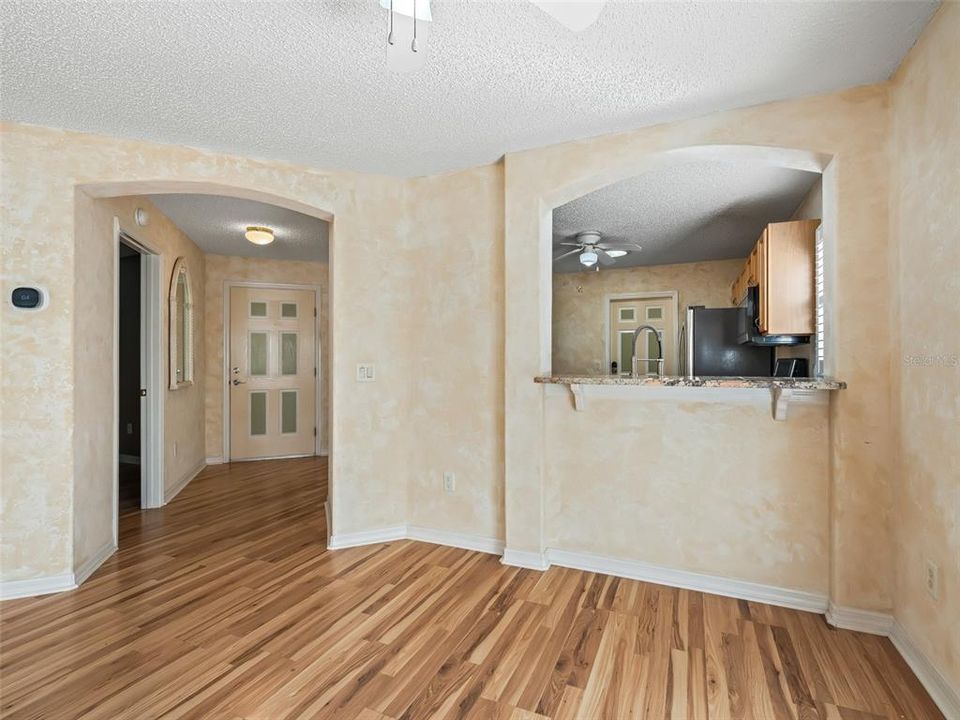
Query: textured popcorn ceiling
217, 224
306, 81
686, 213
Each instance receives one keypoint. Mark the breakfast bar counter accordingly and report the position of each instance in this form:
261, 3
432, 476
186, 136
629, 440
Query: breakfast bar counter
782, 390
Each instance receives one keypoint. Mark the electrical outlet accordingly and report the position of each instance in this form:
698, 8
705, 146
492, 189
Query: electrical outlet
933, 580
449, 482
366, 372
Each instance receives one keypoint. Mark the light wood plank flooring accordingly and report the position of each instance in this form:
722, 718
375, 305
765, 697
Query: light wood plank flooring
226, 604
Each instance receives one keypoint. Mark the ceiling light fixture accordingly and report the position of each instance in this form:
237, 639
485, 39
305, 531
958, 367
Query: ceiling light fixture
616, 253
259, 235
588, 258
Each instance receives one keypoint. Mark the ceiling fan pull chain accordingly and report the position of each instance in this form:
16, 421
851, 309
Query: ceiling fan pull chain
390, 34
413, 45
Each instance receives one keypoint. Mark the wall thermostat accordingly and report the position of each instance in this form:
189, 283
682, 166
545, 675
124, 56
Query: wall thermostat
28, 298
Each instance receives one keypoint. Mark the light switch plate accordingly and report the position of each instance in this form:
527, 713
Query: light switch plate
366, 372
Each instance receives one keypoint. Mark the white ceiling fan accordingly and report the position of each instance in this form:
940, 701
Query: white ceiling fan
592, 249
409, 26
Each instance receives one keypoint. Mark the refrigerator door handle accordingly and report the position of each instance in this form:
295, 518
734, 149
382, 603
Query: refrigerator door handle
688, 365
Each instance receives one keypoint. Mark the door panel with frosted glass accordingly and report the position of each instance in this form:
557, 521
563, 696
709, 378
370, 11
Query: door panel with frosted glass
272, 372
626, 316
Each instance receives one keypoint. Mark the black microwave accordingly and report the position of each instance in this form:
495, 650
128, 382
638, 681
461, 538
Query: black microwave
748, 324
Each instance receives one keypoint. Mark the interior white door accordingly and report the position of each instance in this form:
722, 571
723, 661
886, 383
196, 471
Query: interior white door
272, 372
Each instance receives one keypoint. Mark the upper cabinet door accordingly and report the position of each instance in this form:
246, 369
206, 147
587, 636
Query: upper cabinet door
790, 269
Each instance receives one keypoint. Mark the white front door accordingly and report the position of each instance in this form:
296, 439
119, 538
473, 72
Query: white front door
272, 372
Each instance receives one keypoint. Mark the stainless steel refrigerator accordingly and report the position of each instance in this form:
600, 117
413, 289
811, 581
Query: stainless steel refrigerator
709, 346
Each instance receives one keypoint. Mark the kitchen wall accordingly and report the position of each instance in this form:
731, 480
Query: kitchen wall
842, 135
811, 207
93, 460
579, 309
222, 268
686, 483
924, 222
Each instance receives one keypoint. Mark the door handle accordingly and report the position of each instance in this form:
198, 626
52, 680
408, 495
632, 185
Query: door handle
238, 382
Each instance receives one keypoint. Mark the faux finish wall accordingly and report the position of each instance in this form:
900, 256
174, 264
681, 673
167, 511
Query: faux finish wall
455, 326
843, 135
925, 221
94, 462
223, 268
46, 441
579, 308
718, 489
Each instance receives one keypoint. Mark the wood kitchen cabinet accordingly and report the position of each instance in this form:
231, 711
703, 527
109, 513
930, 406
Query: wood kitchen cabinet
781, 265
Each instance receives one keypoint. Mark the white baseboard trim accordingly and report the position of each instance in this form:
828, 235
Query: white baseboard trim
89, 567
525, 559
170, 493
214, 461
465, 541
12, 589
740, 589
946, 697
865, 621
367, 537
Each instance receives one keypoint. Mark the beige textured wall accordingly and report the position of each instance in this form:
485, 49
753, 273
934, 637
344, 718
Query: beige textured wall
578, 317
94, 331
220, 269
686, 484
41, 169
842, 134
455, 420
811, 207
925, 221
436, 336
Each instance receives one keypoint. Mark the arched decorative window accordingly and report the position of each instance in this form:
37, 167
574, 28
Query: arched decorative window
181, 326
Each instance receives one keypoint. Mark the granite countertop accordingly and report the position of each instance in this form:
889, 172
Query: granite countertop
702, 381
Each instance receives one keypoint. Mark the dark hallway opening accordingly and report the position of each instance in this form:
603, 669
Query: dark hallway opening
129, 380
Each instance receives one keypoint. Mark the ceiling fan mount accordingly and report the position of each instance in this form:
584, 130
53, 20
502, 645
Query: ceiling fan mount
595, 251
410, 20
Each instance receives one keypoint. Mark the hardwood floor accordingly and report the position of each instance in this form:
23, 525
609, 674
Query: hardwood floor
226, 604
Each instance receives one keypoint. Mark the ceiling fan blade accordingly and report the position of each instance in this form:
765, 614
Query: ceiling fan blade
571, 244
567, 254
576, 15
604, 258
619, 246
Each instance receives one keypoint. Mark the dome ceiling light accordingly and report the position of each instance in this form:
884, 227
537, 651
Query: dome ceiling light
259, 235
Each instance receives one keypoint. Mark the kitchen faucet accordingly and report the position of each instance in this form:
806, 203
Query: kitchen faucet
635, 361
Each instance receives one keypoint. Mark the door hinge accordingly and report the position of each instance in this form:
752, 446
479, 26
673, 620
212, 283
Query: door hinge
314, 432
314, 372
314, 312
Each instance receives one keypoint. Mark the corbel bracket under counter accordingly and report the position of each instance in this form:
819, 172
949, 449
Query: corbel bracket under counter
782, 391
